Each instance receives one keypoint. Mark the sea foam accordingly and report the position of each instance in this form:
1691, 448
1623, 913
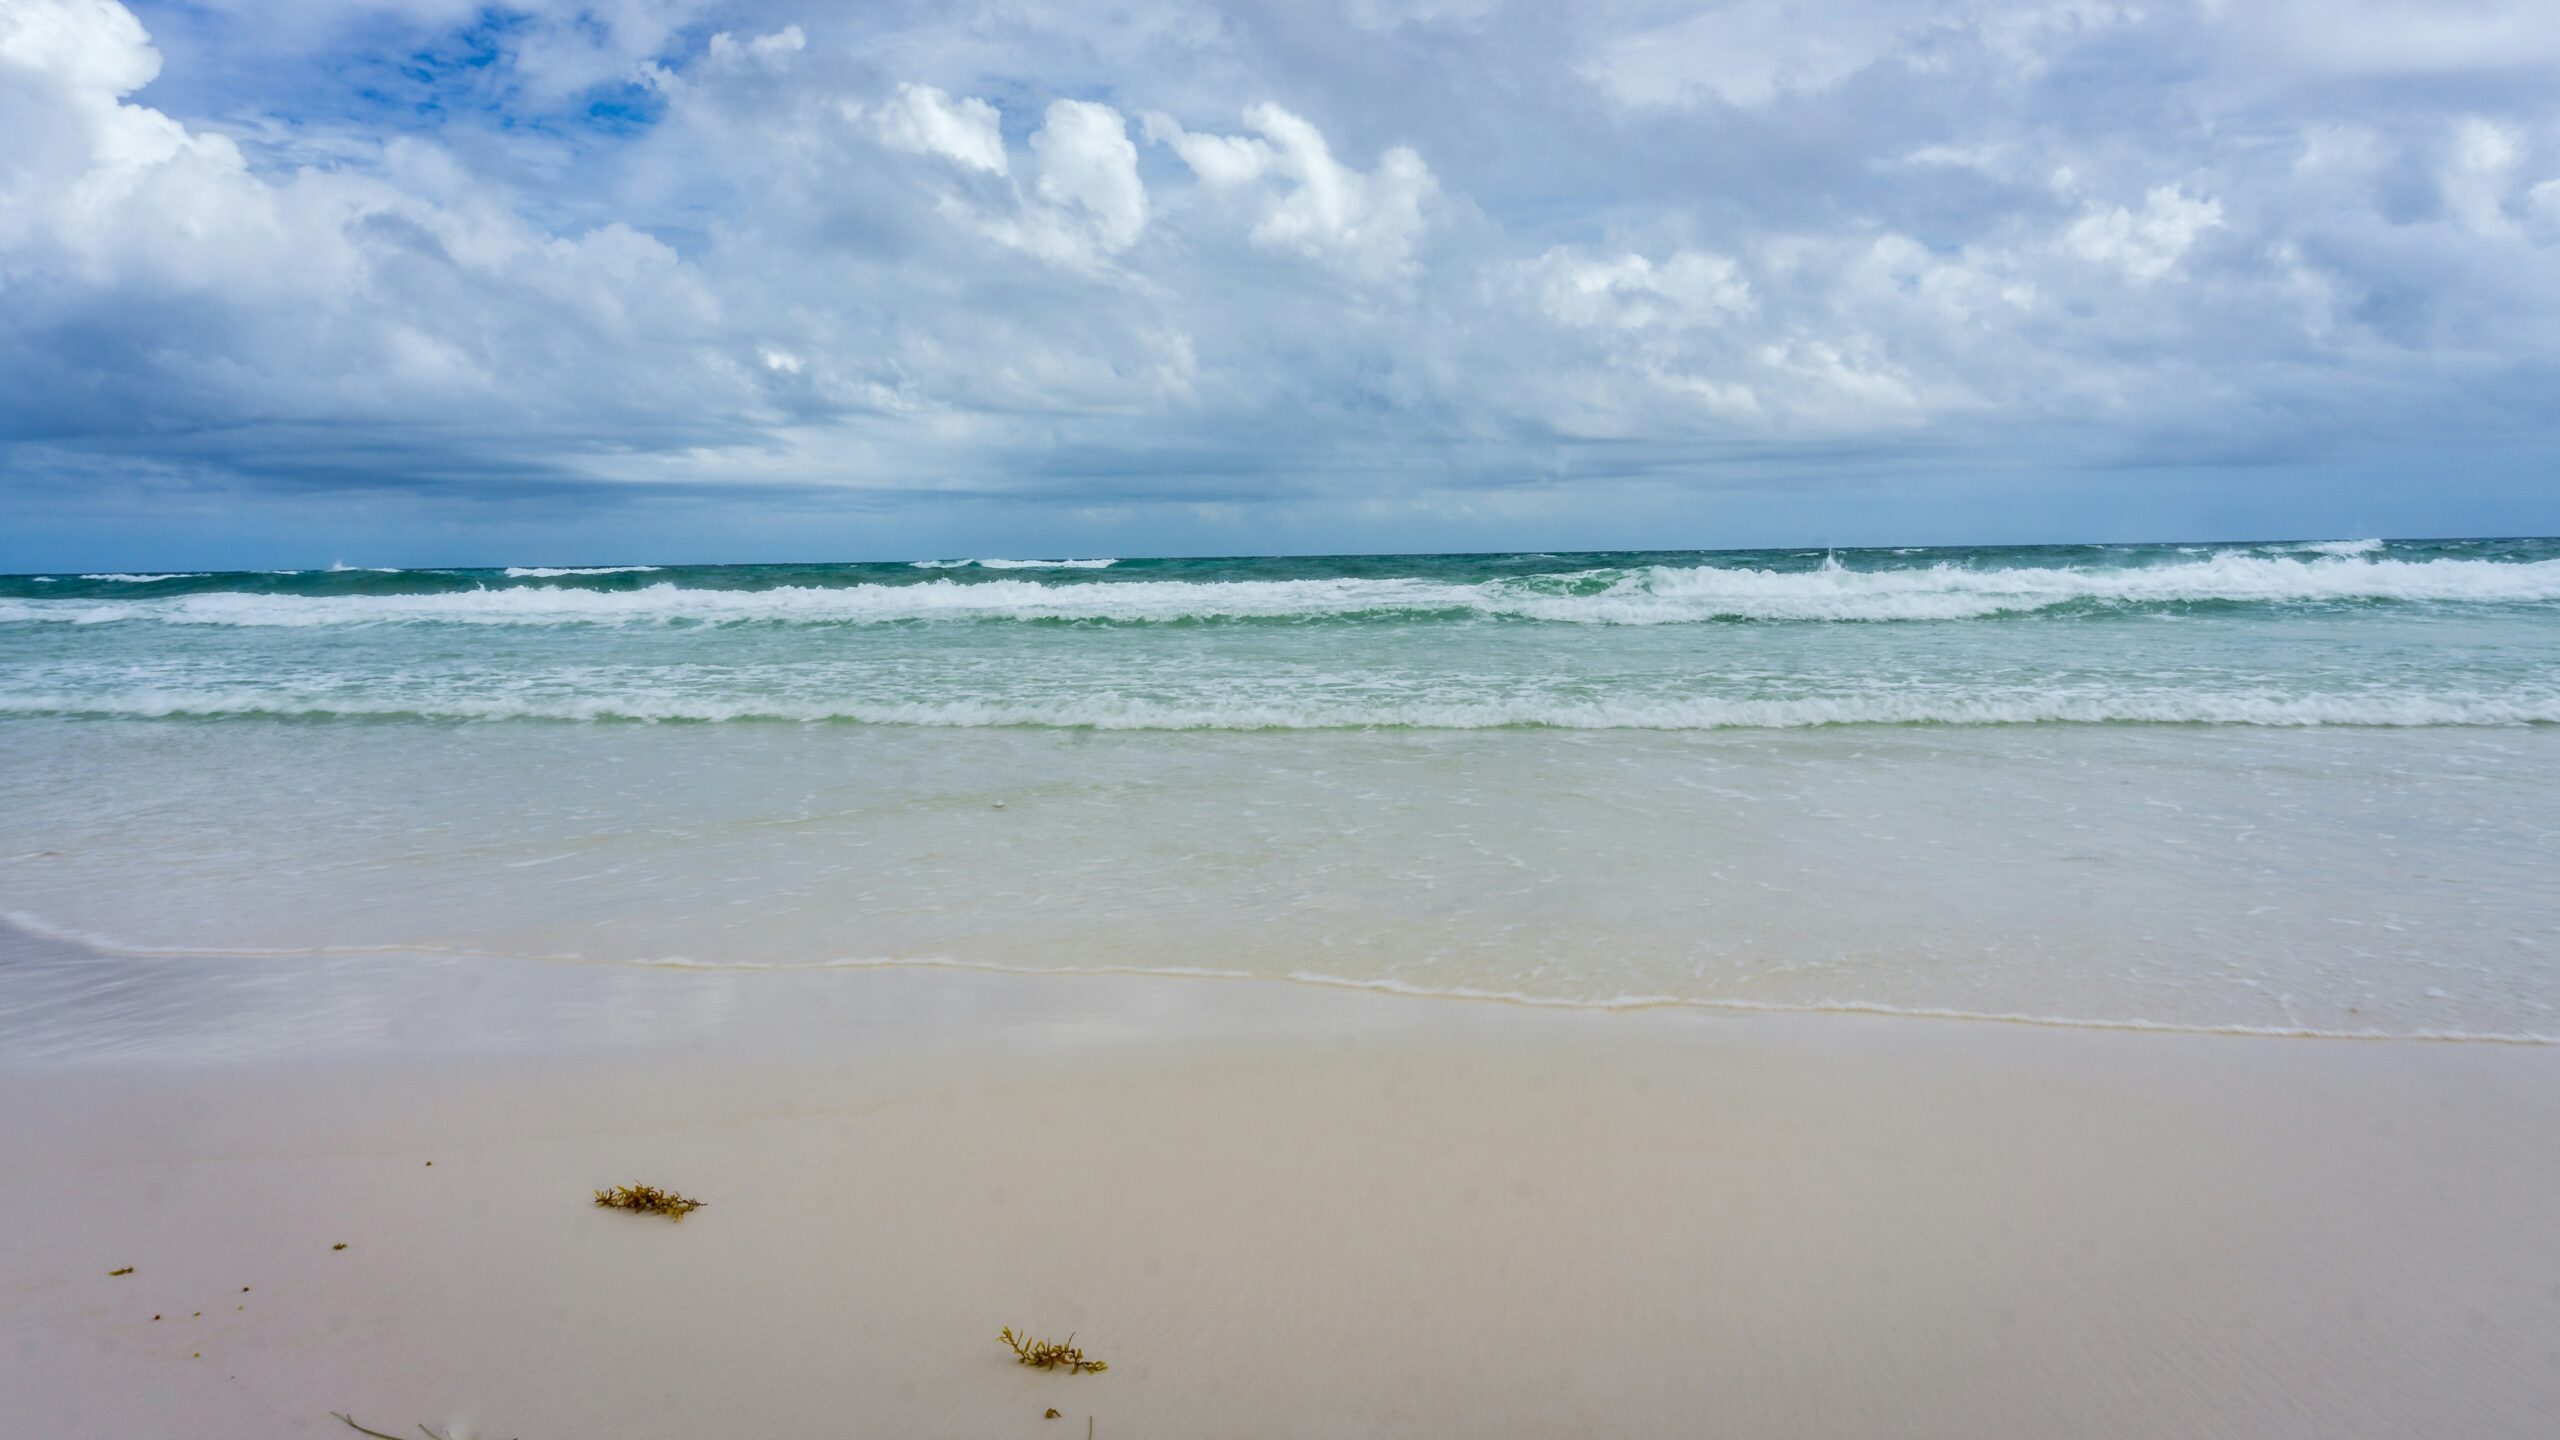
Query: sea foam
1118, 712
1013, 564
1646, 595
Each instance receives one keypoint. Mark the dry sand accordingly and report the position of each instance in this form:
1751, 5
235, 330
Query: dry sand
1279, 1212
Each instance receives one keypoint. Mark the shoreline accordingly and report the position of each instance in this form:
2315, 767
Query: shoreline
22, 936
1274, 1210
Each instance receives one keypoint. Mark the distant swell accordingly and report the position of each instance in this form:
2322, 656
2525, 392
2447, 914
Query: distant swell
1647, 595
1111, 713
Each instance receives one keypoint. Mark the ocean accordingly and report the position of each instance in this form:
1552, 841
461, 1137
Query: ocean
2288, 787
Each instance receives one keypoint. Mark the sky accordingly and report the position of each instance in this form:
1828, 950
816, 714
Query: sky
286, 282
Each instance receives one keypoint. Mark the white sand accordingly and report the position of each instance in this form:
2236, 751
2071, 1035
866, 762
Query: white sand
1283, 1212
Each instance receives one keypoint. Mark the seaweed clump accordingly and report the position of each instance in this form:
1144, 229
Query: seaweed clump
648, 1200
1049, 1354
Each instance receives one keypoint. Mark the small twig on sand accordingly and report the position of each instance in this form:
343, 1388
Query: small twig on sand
378, 1435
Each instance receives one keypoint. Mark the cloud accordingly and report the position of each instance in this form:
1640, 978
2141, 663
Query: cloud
1742, 54
1631, 292
922, 120
82, 46
2480, 174
1178, 261
1751, 53
1076, 202
2145, 244
1089, 171
2383, 38
173, 285
1304, 200
2542, 212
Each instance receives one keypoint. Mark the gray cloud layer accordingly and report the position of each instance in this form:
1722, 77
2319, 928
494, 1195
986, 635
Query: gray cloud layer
1462, 259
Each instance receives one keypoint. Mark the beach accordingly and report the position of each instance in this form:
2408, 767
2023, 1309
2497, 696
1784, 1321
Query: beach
2031, 991
724, 720
1272, 1209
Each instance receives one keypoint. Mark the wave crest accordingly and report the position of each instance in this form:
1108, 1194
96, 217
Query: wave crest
1648, 595
1013, 564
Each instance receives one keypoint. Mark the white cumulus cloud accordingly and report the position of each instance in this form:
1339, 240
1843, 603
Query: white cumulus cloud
1305, 200
922, 120
1089, 172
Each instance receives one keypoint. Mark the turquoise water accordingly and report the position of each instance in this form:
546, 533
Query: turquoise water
2288, 786
2342, 633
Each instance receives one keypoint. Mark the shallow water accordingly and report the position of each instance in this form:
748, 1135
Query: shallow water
2281, 787
2426, 633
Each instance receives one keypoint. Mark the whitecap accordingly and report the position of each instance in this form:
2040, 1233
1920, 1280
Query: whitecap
1013, 564
1648, 595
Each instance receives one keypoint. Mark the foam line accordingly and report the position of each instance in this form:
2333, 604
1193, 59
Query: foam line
1647, 595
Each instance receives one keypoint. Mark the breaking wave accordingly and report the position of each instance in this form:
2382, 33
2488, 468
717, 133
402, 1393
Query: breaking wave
1642, 595
1013, 564
546, 572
